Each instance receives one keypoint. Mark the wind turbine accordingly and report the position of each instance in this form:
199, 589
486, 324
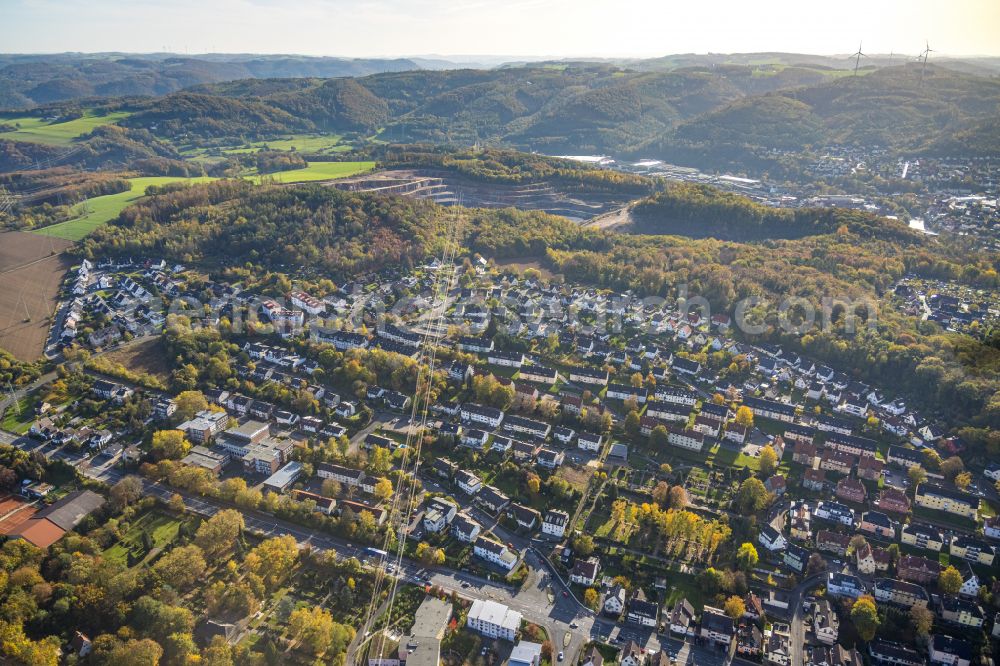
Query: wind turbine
926, 52
857, 58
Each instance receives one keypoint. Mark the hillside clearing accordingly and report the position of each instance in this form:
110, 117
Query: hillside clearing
39, 130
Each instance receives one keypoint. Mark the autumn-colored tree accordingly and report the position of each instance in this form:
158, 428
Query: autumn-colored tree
170, 444
734, 607
752, 496
744, 416
917, 475
591, 598
922, 619
534, 483
678, 498
182, 567
864, 616
768, 460
583, 545
746, 556
217, 535
661, 493
962, 480
950, 580
125, 492
273, 559
314, 627
190, 403
383, 489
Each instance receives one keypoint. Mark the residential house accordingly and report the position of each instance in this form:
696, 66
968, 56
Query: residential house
584, 572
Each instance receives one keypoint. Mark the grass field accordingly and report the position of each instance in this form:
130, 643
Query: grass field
18, 419
38, 130
308, 144
318, 171
101, 210
162, 527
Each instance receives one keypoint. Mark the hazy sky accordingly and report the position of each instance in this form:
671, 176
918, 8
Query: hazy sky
507, 27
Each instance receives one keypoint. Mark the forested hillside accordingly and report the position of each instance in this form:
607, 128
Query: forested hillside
33, 80
702, 211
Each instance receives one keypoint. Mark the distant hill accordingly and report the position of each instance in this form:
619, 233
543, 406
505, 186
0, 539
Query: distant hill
897, 108
34, 80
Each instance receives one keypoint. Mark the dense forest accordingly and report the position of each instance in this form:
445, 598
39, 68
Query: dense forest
322, 228
497, 165
33, 80
702, 211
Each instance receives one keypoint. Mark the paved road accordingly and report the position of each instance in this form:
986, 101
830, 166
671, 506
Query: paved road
532, 600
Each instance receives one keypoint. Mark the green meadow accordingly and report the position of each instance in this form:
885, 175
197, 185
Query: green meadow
39, 130
317, 171
98, 211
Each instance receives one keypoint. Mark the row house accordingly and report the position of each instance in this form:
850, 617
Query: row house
900, 593
538, 374
481, 414
837, 461
972, 550
588, 376
677, 396
889, 653
832, 542
938, 498
720, 413
878, 524
893, 500
851, 490
668, 411
523, 425
916, 569
777, 411
960, 611
625, 392
341, 340
799, 434
504, 359
492, 499
870, 468
904, 457
858, 446
832, 424
685, 439
923, 536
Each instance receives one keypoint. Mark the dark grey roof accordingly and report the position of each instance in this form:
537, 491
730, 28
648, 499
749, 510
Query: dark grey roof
70, 510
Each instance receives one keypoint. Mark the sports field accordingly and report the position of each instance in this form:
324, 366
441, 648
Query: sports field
39, 130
